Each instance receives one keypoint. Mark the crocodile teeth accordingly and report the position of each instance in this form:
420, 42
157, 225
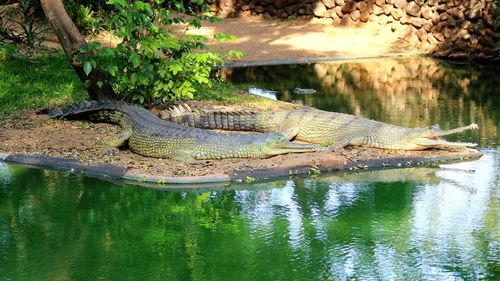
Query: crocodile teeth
472, 126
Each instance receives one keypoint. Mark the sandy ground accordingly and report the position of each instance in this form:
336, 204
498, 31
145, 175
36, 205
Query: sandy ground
264, 39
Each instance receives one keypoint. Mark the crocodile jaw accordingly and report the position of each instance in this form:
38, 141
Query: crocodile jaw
427, 143
288, 147
433, 140
440, 133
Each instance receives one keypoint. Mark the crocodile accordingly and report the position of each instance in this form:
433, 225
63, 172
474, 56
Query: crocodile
151, 136
320, 127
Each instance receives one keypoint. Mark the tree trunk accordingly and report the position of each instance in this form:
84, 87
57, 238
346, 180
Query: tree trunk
71, 40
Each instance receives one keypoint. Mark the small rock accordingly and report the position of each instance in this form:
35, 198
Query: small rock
401, 4
364, 16
355, 15
432, 2
363, 6
339, 12
346, 21
427, 12
405, 19
438, 36
377, 10
388, 9
422, 35
432, 40
329, 3
319, 10
475, 11
413, 9
349, 7
427, 26
416, 22
397, 13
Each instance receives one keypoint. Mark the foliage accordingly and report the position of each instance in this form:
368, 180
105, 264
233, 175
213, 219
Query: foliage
5, 25
89, 16
83, 17
93, 5
38, 81
7, 50
152, 65
21, 23
48, 80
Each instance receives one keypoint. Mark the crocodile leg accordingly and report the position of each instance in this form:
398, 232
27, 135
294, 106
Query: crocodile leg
121, 138
112, 146
290, 132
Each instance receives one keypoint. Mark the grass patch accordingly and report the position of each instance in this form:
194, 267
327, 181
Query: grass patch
48, 80
37, 82
225, 93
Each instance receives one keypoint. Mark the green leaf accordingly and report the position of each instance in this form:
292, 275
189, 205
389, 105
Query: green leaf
141, 99
175, 68
224, 37
87, 67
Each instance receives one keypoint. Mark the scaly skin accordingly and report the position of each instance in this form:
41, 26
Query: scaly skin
320, 127
148, 135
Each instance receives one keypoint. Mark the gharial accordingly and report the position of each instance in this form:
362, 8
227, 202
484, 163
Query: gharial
319, 127
149, 135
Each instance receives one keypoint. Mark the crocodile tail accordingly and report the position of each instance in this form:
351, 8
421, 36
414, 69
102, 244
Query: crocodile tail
238, 120
106, 110
86, 107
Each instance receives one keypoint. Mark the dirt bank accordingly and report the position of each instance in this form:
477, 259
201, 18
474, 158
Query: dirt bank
263, 39
38, 135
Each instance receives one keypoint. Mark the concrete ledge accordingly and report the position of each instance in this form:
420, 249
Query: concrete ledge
177, 180
319, 59
120, 174
336, 165
56, 163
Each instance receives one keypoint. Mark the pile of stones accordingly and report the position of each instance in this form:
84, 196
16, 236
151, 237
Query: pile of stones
445, 28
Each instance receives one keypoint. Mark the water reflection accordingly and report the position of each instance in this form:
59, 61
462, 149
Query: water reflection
403, 225
263, 93
5, 174
414, 92
452, 213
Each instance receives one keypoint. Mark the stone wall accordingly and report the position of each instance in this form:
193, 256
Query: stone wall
453, 28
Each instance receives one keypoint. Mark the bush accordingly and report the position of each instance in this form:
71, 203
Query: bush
83, 17
7, 50
151, 65
19, 23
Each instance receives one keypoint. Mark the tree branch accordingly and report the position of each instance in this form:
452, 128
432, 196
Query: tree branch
71, 40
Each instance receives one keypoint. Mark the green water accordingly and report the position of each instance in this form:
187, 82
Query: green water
422, 223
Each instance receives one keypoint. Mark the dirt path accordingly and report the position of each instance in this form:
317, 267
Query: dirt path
264, 40
300, 39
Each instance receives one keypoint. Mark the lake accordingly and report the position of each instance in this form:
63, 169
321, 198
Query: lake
434, 223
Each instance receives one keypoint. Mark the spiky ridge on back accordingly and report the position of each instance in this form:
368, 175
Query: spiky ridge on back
313, 126
151, 136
